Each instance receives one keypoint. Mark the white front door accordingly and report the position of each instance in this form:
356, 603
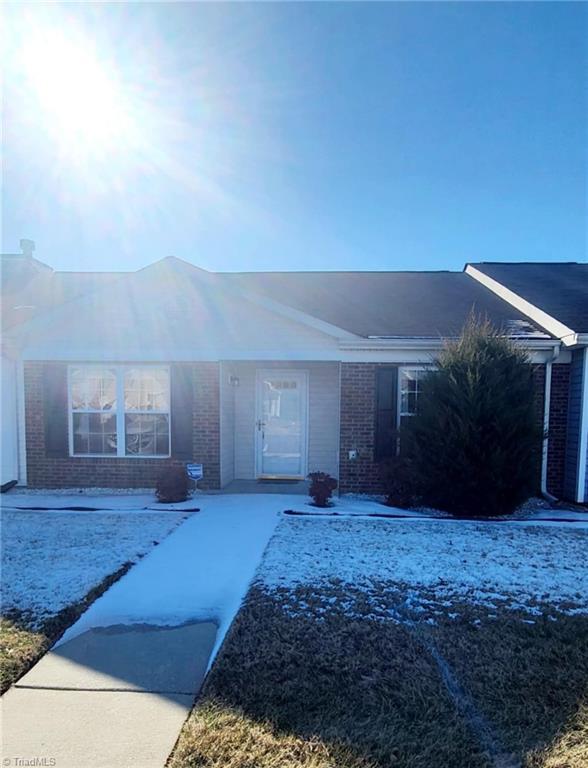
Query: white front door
281, 423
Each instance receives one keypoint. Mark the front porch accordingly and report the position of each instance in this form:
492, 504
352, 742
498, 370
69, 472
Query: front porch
278, 422
267, 486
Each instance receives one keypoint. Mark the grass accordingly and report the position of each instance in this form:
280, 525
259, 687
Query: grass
22, 644
530, 680
296, 691
318, 688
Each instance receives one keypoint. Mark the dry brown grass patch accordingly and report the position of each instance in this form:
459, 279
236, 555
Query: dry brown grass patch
342, 693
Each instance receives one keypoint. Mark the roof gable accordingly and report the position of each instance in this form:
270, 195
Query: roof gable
159, 314
558, 289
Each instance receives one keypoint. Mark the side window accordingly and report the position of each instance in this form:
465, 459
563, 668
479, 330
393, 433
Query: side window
410, 379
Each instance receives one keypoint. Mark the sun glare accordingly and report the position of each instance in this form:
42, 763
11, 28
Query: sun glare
81, 98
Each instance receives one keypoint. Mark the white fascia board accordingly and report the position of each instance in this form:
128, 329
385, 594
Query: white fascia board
561, 331
436, 343
376, 343
400, 354
188, 354
583, 442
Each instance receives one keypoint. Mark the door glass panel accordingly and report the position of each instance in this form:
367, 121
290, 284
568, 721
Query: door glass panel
282, 426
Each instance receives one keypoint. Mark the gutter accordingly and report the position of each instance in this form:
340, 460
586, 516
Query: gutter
405, 342
583, 446
546, 408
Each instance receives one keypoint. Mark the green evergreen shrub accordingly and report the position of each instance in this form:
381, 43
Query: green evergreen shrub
400, 482
475, 442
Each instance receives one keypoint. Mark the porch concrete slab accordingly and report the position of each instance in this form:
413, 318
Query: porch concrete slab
298, 487
129, 658
91, 729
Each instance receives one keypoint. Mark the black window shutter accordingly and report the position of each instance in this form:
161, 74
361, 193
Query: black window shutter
386, 412
182, 409
55, 410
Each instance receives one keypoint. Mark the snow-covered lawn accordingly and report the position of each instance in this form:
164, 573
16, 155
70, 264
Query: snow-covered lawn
52, 559
526, 566
403, 642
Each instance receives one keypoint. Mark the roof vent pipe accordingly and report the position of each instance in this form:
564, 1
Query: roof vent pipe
27, 247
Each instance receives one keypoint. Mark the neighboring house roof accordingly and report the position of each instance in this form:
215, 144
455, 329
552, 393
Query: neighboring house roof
30, 287
24, 285
388, 304
558, 289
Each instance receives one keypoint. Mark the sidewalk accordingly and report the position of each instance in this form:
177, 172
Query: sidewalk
116, 689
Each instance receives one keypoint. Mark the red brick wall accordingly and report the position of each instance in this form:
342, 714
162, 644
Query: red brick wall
112, 472
558, 423
358, 421
358, 428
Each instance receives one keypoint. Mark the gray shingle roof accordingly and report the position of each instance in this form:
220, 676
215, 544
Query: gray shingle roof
560, 289
394, 304
424, 305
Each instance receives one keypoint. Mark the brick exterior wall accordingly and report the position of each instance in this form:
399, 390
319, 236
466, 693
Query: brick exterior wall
558, 426
357, 432
358, 425
358, 429
112, 472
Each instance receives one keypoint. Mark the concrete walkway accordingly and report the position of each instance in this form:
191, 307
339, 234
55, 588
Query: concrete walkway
116, 689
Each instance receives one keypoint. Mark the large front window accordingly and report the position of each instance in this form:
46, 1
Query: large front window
119, 410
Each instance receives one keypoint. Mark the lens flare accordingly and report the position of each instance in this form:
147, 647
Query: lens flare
80, 97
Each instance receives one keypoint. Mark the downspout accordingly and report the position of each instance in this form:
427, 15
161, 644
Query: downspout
546, 409
583, 441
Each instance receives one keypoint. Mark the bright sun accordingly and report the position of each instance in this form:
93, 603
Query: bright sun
81, 98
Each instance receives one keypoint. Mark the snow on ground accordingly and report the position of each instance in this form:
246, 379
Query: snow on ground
121, 500
52, 559
364, 505
202, 571
482, 563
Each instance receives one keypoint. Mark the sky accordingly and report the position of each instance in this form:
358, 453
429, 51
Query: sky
286, 136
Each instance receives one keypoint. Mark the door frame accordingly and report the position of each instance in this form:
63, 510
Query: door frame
260, 374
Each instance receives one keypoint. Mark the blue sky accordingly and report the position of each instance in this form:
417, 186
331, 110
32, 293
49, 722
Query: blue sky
313, 136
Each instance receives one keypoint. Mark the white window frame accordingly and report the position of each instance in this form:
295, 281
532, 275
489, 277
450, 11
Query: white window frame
401, 370
120, 411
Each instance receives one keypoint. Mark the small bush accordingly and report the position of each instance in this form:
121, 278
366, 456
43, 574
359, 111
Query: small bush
173, 485
475, 441
321, 488
400, 482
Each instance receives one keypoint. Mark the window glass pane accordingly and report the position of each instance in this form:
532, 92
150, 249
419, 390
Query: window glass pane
146, 389
93, 388
412, 401
146, 435
94, 433
409, 389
